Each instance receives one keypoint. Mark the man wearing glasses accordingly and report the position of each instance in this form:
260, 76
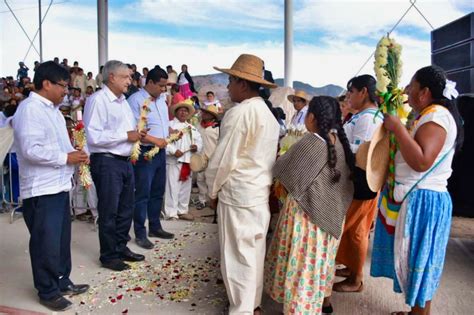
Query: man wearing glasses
111, 132
46, 159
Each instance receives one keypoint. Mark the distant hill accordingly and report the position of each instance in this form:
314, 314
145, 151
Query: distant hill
220, 80
329, 90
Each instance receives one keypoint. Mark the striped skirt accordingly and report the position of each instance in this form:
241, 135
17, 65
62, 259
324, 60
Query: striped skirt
414, 256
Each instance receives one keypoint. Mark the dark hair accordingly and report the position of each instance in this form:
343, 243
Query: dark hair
9, 110
434, 78
175, 88
155, 75
50, 71
254, 86
341, 98
364, 81
169, 66
89, 73
209, 92
328, 116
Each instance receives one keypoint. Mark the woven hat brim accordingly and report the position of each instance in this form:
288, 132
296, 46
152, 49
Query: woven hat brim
210, 112
179, 105
248, 77
378, 158
292, 96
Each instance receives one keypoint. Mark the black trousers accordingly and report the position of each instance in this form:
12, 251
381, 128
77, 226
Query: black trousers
48, 219
115, 184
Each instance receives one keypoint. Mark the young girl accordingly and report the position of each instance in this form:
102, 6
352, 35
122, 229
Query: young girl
315, 173
422, 169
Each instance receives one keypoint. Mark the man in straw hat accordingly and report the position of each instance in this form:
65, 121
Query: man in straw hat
239, 174
209, 130
300, 102
178, 157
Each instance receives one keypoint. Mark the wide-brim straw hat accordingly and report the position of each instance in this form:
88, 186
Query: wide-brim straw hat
188, 103
374, 157
250, 68
300, 94
211, 109
198, 162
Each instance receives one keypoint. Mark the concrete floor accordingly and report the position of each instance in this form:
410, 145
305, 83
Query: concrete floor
179, 277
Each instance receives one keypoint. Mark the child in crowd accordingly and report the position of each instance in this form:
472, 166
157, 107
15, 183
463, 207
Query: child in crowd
209, 130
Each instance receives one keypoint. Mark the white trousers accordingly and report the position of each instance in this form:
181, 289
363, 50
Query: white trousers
177, 193
201, 183
242, 238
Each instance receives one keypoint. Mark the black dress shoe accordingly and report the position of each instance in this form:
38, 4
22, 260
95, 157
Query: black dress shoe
128, 255
57, 303
161, 234
116, 265
74, 289
144, 243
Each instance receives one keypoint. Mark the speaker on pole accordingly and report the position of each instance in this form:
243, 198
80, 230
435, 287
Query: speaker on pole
452, 48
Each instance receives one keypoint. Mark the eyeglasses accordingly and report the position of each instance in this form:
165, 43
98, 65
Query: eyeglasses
64, 86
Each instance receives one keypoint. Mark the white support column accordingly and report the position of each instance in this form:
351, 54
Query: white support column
288, 43
40, 30
103, 30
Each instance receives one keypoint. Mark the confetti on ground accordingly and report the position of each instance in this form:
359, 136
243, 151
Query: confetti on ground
182, 270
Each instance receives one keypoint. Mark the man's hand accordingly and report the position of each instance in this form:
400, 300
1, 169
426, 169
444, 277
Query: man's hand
194, 148
213, 204
77, 157
160, 143
178, 154
133, 136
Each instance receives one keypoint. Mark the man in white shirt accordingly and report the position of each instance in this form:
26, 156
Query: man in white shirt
178, 170
46, 159
150, 176
240, 174
111, 132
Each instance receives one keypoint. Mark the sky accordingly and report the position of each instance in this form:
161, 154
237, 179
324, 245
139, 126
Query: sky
332, 38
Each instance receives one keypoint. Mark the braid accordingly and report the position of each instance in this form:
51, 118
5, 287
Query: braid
324, 109
434, 78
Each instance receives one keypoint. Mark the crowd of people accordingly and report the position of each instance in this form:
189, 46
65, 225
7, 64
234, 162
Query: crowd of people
325, 205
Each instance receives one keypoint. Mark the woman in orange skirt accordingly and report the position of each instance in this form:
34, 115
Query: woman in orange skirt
360, 128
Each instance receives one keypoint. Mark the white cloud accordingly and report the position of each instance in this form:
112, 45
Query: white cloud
70, 31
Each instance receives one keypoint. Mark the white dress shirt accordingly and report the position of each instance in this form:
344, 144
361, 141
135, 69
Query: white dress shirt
157, 118
107, 119
42, 147
299, 117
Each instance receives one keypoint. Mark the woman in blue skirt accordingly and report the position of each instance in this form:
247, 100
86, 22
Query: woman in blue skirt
410, 246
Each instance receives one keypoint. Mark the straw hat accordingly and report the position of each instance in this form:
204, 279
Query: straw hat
299, 93
188, 103
211, 109
250, 68
373, 157
198, 162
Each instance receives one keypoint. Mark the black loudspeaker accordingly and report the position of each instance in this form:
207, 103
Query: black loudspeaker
452, 48
460, 183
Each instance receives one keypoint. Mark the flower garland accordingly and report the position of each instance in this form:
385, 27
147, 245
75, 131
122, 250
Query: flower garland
172, 138
79, 136
142, 123
295, 133
388, 70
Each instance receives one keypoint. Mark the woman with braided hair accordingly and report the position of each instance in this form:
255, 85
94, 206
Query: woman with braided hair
315, 174
414, 255
360, 128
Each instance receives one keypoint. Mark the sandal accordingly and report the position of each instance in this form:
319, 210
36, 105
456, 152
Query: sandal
344, 273
344, 287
